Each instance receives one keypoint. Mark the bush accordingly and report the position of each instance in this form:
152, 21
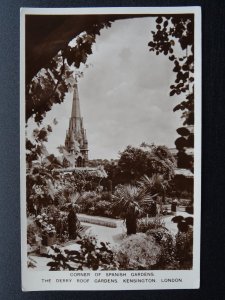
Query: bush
190, 209
138, 252
107, 196
183, 224
87, 202
97, 205
102, 207
184, 249
165, 240
33, 231
144, 225
156, 229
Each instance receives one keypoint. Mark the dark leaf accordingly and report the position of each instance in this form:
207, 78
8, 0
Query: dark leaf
165, 24
52, 264
172, 92
181, 143
60, 257
57, 250
73, 252
183, 131
159, 20
172, 57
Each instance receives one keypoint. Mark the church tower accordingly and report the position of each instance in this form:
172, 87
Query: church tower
76, 139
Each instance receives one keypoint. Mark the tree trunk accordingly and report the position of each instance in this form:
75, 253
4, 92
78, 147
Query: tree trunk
72, 225
131, 224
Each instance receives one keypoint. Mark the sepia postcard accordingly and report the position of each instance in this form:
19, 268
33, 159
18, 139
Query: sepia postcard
110, 152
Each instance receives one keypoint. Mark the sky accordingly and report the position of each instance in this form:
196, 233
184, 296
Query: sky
124, 94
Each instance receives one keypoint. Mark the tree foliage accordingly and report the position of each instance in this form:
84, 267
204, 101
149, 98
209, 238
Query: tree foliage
135, 162
50, 85
41, 176
170, 32
128, 201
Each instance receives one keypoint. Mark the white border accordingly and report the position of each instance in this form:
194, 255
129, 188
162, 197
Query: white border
31, 280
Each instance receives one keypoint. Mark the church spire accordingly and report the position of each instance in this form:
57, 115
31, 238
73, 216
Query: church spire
76, 139
76, 104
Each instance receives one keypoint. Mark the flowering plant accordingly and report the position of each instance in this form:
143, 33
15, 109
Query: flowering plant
44, 222
49, 230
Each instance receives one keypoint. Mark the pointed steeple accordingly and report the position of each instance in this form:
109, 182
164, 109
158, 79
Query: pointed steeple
76, 104
76, 139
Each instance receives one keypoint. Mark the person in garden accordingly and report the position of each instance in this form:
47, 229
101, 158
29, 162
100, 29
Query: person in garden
72, 223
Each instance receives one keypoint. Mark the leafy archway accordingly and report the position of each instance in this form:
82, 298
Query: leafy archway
47, 48
53, 57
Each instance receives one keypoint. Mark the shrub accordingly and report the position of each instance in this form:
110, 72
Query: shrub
183, 224
184, 241
138, 252
107, 196
101, 207
55, 223
33, 231
157, 230
184, 249
87, 202
144, 225
165, 240
96, 205
45, 223
190, 209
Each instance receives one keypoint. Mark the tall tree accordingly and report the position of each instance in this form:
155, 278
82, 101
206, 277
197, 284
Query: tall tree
145, 160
